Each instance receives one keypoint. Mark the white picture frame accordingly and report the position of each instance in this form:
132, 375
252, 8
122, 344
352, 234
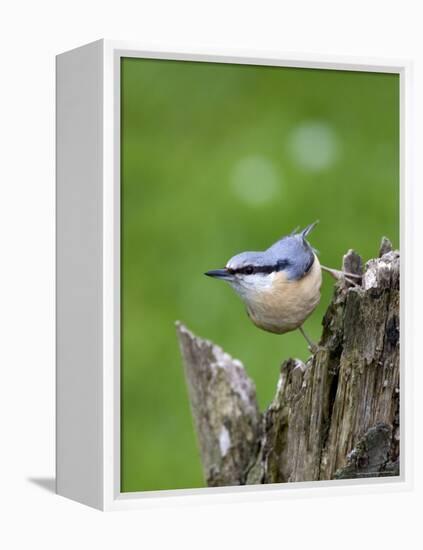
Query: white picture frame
88, 259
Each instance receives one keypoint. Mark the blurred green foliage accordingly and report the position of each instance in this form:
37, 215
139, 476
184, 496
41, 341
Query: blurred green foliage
218, 159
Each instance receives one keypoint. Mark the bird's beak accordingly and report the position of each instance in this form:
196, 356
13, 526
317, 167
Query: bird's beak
219, 274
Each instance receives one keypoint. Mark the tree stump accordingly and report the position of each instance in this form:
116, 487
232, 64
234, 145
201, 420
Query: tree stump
334, 417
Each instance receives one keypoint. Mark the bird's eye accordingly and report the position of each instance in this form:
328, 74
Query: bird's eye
249, 270
283, 264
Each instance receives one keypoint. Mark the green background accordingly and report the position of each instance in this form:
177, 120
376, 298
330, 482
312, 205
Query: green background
218, 159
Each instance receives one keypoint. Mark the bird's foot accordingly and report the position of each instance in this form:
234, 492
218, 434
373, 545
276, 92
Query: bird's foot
312, 347
343, 275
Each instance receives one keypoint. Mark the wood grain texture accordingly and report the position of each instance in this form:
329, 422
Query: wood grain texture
224, 407
334, 417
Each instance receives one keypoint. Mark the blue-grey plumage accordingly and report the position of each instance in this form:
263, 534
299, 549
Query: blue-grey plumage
279, 286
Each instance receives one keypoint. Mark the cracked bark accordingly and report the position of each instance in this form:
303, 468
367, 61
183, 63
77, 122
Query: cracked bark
334, 417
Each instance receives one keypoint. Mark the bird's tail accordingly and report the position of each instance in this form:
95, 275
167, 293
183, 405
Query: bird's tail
304, 234
308, 229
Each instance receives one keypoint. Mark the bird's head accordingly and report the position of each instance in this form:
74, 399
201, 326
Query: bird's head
252, 272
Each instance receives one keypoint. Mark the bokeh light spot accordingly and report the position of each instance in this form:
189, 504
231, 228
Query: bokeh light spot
255, 180
314, 146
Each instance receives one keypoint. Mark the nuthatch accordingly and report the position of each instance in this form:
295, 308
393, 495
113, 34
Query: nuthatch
280, 286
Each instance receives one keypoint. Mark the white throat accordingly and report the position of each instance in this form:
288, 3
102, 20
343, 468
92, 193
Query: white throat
249, 286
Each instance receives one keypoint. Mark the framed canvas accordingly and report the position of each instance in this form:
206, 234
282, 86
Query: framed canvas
172, 165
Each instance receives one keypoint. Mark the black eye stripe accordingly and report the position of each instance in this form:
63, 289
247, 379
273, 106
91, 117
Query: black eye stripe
251, 269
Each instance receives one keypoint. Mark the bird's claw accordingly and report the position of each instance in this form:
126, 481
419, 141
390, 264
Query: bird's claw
353, 283
343, 275
313, 348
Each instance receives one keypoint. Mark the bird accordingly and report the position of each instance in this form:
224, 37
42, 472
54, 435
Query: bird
279, 286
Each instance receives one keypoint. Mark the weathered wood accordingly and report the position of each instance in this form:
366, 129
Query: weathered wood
335, 416
224, 407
